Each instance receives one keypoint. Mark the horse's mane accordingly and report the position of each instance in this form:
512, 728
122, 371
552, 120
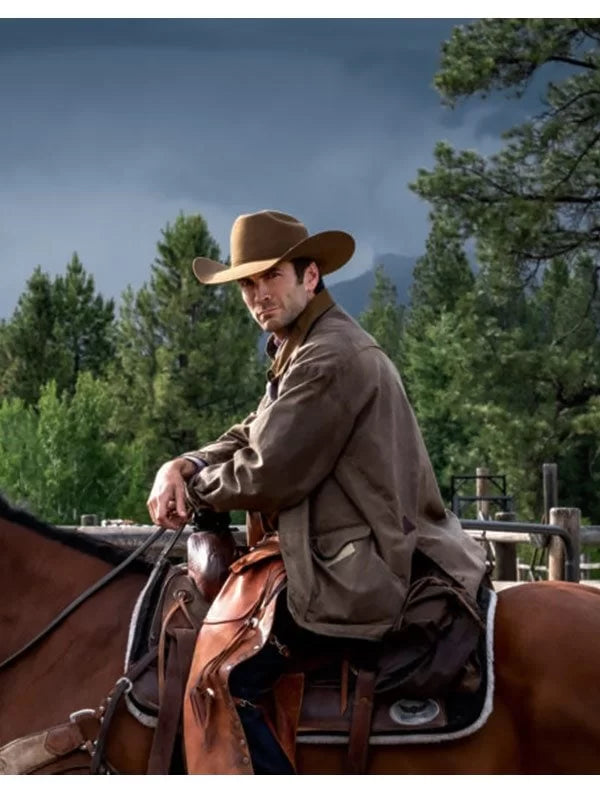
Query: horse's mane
83, 542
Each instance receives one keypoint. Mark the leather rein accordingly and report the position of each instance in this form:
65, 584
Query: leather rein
62, 615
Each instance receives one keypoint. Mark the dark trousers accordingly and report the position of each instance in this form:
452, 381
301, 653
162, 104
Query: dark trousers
252, 680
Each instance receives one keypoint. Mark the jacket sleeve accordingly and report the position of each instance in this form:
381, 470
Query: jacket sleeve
226, 445
292, 445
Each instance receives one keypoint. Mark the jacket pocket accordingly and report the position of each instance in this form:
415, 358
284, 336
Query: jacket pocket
335, 546
353, 586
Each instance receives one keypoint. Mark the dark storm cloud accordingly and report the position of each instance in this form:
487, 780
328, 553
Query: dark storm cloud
110, 128
345, 37
390, 51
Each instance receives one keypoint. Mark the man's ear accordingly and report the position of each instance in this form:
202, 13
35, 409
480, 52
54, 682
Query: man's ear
311, 276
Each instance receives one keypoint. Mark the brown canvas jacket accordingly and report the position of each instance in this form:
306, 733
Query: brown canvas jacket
337, 453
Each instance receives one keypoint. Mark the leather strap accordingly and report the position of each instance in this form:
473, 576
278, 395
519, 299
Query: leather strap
181, 650
122, 687
360, 724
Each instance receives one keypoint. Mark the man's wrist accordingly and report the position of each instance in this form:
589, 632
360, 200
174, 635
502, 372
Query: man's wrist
196, 464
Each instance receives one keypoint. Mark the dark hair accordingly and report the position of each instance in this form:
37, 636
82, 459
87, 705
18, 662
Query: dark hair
300, 265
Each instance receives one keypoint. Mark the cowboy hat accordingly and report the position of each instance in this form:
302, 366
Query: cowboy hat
262, 240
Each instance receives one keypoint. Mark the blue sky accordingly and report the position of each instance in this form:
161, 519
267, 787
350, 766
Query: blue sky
110, 128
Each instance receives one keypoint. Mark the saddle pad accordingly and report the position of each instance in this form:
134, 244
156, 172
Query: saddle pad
398, 720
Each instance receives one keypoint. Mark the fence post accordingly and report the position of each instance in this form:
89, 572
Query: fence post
570, 520
550, 483
505, 553
482, 489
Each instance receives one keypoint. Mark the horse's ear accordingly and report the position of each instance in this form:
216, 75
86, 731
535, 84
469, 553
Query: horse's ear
209, 556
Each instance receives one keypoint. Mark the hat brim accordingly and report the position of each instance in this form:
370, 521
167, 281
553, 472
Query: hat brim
330, 249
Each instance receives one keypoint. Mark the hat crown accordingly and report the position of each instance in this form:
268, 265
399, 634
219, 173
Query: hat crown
264, 235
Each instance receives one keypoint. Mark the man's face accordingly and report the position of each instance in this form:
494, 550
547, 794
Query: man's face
275, 298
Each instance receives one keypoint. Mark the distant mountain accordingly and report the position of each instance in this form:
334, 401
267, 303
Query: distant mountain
353, 295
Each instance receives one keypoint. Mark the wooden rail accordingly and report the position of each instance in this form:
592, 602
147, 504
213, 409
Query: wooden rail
131, 536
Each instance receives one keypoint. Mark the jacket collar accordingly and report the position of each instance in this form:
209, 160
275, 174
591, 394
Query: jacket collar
298, 332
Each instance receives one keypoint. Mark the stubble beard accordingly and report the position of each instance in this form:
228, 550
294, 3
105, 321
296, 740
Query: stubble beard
283, 319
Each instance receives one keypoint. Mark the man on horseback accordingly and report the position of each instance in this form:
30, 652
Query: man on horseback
333, 466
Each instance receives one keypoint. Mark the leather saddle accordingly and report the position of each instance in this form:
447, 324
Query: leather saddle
341, 701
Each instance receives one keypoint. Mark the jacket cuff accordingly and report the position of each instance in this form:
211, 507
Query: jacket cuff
198, 462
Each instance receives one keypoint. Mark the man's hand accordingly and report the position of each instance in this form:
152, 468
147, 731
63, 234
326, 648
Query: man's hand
166, 502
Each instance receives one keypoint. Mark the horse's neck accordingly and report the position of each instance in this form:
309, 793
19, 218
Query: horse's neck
40, 576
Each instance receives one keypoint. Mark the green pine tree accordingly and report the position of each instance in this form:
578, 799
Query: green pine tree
59, 329
508, 374
384, 316
187, 363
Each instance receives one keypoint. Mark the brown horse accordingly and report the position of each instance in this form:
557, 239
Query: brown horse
545, 719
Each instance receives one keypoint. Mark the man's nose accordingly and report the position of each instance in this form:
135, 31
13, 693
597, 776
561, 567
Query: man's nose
262, 290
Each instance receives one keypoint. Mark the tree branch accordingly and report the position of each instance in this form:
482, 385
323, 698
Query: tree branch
552, 252
578, 399
570, 102
584, 317
485, 177
591, 35
578, 160
587, 118
574, 62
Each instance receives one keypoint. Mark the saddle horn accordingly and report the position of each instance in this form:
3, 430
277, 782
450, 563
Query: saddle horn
210, 551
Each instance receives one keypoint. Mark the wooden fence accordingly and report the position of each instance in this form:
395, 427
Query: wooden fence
560, 538
563, 538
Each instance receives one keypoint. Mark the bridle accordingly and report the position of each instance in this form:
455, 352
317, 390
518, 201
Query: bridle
85, 595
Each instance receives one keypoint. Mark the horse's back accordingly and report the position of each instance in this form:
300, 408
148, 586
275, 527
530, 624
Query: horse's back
546, 712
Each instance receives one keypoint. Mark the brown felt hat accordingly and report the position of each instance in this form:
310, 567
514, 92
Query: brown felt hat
262, 240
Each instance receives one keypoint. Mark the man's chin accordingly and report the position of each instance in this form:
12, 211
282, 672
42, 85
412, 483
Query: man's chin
270, 325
